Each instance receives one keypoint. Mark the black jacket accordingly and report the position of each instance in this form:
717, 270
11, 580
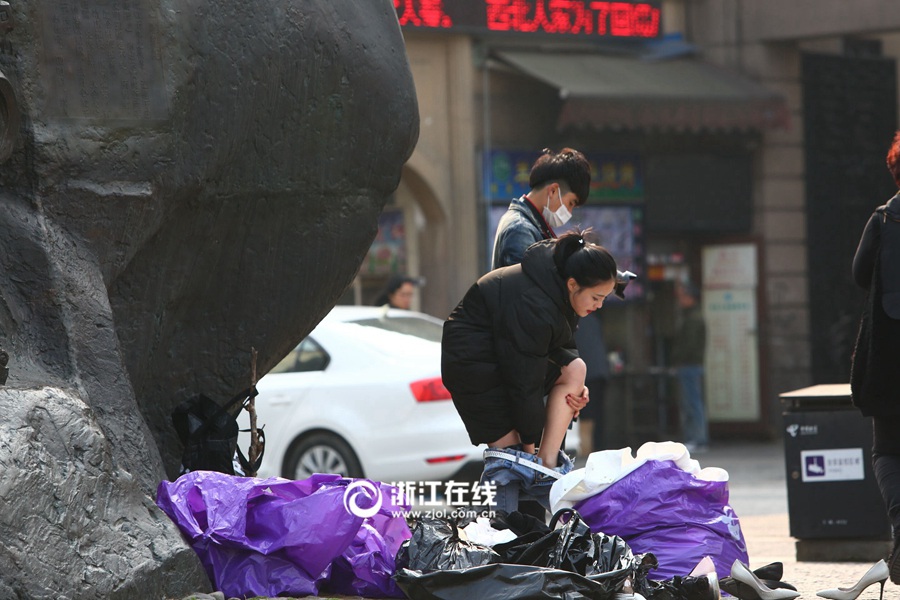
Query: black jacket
874, 376
689, 345
511, 324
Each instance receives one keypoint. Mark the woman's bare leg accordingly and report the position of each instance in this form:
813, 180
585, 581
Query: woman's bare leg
559, 413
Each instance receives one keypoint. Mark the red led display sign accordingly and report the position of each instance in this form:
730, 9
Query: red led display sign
560, 17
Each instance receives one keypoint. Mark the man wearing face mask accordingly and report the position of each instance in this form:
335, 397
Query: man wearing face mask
559, 182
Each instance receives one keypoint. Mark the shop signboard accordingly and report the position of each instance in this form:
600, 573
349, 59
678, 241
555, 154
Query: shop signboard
730, 312
614, 177
387, 254
568, 18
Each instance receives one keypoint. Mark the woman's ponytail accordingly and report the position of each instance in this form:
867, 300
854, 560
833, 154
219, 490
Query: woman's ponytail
588, 263
567, 245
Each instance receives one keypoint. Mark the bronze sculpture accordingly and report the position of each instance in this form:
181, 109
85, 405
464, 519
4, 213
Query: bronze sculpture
180, 182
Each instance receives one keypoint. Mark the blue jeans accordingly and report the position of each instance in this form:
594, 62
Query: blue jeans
515, 482
693, 410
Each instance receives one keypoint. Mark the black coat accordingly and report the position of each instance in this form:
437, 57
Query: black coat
874, 374
512, 325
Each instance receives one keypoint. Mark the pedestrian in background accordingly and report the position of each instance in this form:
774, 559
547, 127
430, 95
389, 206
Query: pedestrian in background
559, 182
688, 352
874, 376
398, 292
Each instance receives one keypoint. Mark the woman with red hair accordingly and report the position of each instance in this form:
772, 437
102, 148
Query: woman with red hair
874, 377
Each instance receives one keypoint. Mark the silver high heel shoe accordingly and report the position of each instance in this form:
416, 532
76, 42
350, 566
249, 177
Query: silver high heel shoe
877, 573
756, 589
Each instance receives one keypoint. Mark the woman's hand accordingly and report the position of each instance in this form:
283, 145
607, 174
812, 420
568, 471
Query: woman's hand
576, 403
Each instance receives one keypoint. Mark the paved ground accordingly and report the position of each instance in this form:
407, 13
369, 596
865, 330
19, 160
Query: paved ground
759, 497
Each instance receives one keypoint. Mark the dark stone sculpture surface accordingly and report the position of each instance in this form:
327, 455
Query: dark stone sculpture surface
185, 180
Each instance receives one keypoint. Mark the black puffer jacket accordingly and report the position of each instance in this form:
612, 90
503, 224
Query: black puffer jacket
511, 324
874, 376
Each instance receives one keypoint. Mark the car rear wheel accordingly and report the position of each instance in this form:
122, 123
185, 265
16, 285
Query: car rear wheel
321, 453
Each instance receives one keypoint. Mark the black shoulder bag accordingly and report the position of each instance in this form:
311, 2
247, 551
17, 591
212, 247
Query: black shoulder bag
209, 434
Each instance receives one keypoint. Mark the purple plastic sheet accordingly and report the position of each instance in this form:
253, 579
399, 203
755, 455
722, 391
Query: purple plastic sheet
278, 537
660, 508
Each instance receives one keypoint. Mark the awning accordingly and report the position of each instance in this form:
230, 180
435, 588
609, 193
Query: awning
616, 92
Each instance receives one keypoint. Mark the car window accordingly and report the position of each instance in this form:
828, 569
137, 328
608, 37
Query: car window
420, 328
308, 356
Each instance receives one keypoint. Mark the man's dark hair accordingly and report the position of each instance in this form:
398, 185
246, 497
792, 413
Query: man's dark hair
568, 167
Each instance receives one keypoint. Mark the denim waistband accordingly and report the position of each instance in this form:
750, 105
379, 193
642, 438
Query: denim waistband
519, 466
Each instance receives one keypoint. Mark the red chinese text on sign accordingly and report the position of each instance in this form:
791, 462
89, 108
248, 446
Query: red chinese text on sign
566, 17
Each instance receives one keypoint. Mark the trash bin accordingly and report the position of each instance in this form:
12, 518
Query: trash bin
835, 509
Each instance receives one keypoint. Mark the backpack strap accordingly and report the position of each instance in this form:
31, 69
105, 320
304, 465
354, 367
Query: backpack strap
245, 463
244, 397
882, 210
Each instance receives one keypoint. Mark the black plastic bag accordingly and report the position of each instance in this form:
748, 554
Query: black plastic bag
566, 562
500, 580
519, 523
674, 588
572, 547
435, 545
681, 588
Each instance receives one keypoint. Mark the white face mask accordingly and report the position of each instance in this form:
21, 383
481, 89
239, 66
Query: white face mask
560, 217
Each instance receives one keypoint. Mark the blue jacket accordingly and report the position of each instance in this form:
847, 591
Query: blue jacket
520, 226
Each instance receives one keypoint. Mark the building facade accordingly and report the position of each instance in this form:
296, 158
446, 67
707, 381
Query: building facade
737, 145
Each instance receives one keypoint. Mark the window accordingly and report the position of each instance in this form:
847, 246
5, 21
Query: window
308, 356
420, 328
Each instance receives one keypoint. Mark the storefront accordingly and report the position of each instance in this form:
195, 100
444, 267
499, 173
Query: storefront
662, 217
674, 142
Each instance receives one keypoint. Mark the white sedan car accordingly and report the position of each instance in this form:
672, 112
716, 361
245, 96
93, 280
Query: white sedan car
362, 396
